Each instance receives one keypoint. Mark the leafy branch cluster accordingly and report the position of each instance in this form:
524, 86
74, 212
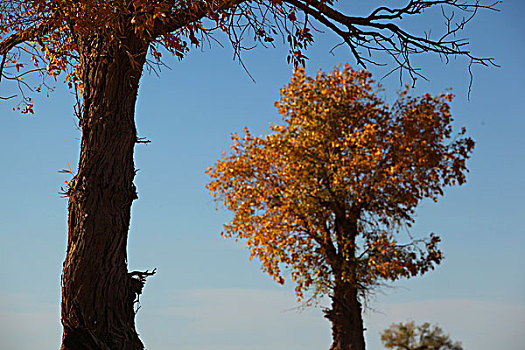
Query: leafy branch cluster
50, 37
409, 336
324, 195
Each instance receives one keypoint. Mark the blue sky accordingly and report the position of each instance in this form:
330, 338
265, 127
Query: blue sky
207, 295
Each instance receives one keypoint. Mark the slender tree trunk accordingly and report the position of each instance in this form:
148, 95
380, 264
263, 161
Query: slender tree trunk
346, 318
98, 293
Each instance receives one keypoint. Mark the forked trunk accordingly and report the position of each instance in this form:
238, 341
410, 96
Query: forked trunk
98, 293
346, 318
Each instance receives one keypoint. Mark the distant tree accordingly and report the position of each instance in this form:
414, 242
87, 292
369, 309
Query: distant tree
324, 195
408, 336
100, 48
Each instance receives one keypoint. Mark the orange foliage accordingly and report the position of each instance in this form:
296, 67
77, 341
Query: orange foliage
53, 36
324, 195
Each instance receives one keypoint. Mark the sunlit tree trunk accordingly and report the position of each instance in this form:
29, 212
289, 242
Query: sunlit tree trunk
98, 293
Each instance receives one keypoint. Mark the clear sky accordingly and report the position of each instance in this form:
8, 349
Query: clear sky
207, 295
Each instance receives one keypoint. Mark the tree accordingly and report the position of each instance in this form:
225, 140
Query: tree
101, 48
323, 197
408, 336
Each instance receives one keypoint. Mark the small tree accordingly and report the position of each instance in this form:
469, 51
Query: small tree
324, 195
408, 336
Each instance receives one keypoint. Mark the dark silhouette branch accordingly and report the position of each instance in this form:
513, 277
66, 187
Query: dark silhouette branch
181, 17
28, 34
379, 32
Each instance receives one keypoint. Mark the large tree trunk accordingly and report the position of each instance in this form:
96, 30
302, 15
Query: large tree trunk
346, 318
346, 311
98, 293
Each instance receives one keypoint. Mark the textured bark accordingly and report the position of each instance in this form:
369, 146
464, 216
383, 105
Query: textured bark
346, 311
347, 322
98, 293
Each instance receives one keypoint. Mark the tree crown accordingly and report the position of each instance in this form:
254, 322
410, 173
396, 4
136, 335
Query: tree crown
409, 336
324, 194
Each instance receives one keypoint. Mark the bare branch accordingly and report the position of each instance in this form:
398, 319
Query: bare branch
379, 31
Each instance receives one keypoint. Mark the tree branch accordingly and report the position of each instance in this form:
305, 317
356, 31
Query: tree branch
183, 17
2, 65
379, 32
31, 33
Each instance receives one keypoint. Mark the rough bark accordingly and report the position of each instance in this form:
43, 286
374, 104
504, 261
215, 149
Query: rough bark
346, 312
98, 292
346, 318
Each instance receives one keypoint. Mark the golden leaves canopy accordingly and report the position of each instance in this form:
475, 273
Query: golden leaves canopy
341, 154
